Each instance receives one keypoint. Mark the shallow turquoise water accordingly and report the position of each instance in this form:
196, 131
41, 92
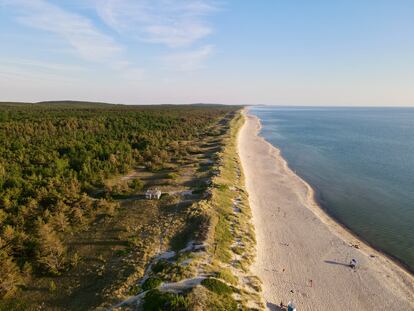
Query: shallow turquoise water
360, 161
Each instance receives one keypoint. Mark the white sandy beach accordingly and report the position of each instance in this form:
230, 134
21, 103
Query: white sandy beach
297, 242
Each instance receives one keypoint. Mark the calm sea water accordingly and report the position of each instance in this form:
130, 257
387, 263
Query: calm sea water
360, 161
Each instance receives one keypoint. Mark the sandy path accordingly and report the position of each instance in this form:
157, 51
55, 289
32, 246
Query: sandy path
297, 242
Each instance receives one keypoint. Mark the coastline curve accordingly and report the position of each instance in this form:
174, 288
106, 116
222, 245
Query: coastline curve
381, 269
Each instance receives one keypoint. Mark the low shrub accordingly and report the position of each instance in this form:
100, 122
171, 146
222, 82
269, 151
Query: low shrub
171, 176
169, 271
227, 276
151, 283
217, 286
136, 184
203, 299
161, 266
134, 290
13, 304
222, 187
157, 301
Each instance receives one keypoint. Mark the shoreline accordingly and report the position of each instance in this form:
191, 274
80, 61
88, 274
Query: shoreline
319, 209
357, 237
385, 267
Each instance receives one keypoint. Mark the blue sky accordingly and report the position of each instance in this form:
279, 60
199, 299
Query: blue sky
283, 52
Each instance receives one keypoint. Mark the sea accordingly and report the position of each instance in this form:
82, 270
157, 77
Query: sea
359, 161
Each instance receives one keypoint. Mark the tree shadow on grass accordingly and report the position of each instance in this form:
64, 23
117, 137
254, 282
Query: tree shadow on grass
104, 243
34, 289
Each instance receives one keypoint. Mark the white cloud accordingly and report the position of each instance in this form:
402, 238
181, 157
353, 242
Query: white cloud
76, 30
169, 22
10, 73
188, 60
176, 24
30, 63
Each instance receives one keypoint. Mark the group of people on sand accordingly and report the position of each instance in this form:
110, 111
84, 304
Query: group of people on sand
353, 263
291, 307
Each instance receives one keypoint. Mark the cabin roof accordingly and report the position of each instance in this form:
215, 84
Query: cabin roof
153, 191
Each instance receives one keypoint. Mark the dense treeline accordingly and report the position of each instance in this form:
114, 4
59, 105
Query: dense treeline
54, 156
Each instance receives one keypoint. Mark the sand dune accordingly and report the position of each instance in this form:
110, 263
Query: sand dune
302, 254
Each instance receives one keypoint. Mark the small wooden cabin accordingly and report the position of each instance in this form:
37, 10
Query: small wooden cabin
153, 194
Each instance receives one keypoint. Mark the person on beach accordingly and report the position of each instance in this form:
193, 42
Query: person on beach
291, 306
353, 263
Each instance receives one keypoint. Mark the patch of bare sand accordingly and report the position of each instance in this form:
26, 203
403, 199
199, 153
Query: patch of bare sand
302, 254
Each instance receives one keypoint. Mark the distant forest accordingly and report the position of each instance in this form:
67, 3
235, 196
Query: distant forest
54, 159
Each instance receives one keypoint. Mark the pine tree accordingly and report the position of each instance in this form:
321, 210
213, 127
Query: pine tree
10, 275
60, 221
50, 253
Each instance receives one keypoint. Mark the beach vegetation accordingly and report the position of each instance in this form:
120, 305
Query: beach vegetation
160, 266
159, 301
232, 234
226, 275
172, 175
200, 298
151, 283
134, 290
217, 286
172, 272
